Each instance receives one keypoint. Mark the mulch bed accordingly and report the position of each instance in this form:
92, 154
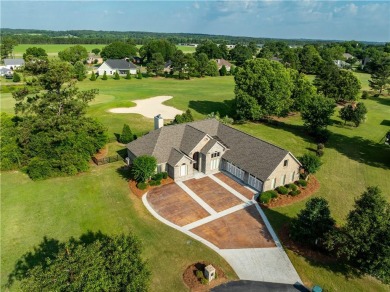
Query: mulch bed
139, 193
192, 282
102, 153
284, 200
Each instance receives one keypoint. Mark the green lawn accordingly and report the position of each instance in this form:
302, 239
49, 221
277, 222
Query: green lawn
53, 49
98, 200
353, 160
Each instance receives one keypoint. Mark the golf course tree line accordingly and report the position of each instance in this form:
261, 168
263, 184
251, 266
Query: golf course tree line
51, 135
93, 262
362, 242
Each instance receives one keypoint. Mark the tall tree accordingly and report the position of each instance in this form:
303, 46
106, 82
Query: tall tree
203, 61
80, 71
212, 68
95, 262
156, 64
364, 239
179, 63
126, 136
161, 46
340, 85
313, 222
380, 73
143, 167
7, 46
73, 54
34, 52
210, 48
354, 113
10, 154
240, 54
96, 51
118, 50
317, 113
310, 59
303, 90
55, 135
191, 65
263, 89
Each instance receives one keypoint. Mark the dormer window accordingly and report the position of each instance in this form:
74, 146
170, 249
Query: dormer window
215, 154
285, 162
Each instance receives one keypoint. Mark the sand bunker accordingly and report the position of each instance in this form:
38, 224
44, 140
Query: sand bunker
149, 108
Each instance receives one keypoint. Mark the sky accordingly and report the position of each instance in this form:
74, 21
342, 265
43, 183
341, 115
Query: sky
291, 19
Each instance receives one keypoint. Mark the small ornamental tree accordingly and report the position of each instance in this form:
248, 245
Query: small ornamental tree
364, 240
126, 136
128, 75
223, 71
93, 76
95, 262
310, 162
317, 113
143, 167
354, 113
313, 222
116, 75
139, 75
80, 71
16, 77
104, 76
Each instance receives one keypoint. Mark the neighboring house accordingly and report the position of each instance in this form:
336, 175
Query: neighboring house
12, 64
221, 62
209, 146
168, 66
342, 64
347, 56
120, 65
94, 59
5, 71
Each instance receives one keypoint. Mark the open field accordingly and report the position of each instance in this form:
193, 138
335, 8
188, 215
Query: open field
53, 49
353, 160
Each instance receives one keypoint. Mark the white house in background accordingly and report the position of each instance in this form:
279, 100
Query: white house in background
5, 71
12, 64
111, 66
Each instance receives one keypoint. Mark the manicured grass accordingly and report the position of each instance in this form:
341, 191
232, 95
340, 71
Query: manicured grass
98, 200
353, 160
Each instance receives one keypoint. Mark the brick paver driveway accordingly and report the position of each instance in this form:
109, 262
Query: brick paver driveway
221, 213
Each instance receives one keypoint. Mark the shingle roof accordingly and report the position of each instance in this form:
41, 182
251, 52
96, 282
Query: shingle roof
210, 144
120, 64
249, 153
12, 62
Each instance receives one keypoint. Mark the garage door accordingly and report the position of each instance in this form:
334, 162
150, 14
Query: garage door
234, 170
254, 182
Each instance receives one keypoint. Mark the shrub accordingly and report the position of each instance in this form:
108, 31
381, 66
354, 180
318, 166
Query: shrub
104, 76
365, 95
142, 185
310, 162
164, 175
282, 190
154, 183
322, 136
116, 75
157, 176
127, 135
294, 193
302, 183
292, 187
320, 146
274, 194
264, 198
16, 77
199, 274
39, 168
204, 281
143, 167
320, 152
93, 76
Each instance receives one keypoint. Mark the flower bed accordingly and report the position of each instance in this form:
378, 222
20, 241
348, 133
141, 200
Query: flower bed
139, 193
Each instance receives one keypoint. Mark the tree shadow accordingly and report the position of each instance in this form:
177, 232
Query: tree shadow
124, 172
380, 100
45, 251
355, 148
206, 107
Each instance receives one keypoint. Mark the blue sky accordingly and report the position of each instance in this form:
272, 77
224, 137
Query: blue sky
341, 20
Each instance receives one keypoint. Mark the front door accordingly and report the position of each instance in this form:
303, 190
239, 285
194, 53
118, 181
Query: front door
196, 158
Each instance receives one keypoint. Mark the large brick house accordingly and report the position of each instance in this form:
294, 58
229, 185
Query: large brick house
209, 146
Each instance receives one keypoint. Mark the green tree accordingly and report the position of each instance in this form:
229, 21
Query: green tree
73, 54
191, 65
303, 90
16, 77
209, 48
179, 63
183, 118
128, 75
164, 47
156, 64
212, 68
143, 167
7, 46
203, 61
310, 59
118, 50
139, 74
354, 113
104, 76
35, 52
10, 154
253, 47
291, 59
55, 135
364, 239
317, 113
116, 76
36, 65
80, 71
263, 89
95, 262
93, 76
223, 71
310, 163
96, 51
240, 54
126, 136
380, 74
313, 222
338, 84
265, 53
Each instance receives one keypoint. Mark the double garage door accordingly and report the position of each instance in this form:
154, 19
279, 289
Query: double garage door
255, 183
239, 173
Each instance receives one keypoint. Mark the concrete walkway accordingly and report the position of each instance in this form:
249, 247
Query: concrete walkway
256, 264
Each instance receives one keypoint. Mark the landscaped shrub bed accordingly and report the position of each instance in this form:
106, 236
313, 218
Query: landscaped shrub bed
153, 183
294, 193
301, 183
291, 187
142, 186
267, 196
